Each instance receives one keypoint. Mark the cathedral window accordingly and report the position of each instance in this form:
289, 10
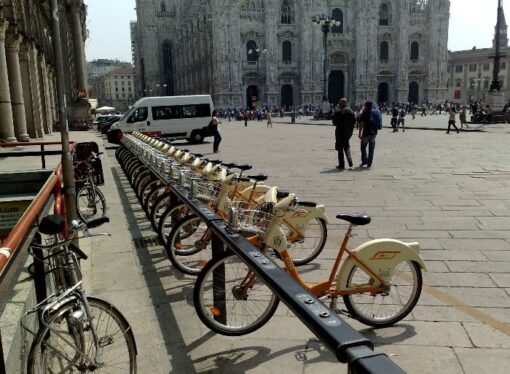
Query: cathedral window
251, 46
338, 15
415, 51
419, 6
384, 51
384, 15
163, 6
486, 66
458, 68
287, 12
287, 52
472, 67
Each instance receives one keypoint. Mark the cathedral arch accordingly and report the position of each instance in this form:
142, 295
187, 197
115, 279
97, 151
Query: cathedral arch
383, 92
287, 96
384, 51
287, 12
415, 51
414, 93
385, 14
338, 15
163, 6
287, 51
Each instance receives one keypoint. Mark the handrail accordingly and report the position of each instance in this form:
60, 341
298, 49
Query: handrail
10, 245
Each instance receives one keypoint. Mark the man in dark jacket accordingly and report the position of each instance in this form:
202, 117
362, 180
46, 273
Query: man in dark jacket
344, 120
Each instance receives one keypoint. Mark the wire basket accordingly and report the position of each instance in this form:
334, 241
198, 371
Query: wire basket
186, 177
205, 190
249, 220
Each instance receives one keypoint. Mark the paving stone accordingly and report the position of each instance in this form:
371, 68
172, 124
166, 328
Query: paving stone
459, 279
502, 280
475, 361
450, 254
486, 337
479, 297
478, 267
475, 244
440, 314
498, 255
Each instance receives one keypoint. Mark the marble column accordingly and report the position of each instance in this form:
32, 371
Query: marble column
35, 90
13, 43
51, 85
6, 117
78, 48
24, 61
48, 125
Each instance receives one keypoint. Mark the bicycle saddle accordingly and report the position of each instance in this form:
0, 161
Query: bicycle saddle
310, 204
52, 224
198, 155
258, 177
215, 162
281, 194
243, 167
355, 219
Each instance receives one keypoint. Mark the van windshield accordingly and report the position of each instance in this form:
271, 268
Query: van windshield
128, 113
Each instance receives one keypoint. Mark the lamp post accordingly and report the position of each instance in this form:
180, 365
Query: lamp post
326, 23
256, 53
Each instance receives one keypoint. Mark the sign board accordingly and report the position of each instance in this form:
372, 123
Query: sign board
81, 93
10, 213
456, 95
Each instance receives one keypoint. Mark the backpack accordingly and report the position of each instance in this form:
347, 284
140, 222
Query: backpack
376, 119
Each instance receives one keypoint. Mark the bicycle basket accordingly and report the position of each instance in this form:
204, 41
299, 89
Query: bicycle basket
205, 190
249, 220
186, 177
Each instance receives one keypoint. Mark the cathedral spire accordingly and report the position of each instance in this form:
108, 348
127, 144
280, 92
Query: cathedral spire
503, 37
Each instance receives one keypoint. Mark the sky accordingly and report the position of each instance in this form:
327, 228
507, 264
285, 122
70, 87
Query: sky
471, 24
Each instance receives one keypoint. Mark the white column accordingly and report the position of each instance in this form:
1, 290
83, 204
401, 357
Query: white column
6, 117
35, 90
24, 59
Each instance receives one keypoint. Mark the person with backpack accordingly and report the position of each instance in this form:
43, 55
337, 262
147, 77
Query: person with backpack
370, 123
394, 116
344, 120
401, 119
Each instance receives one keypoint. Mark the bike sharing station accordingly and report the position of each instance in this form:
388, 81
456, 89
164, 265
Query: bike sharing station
27, 196
349, 346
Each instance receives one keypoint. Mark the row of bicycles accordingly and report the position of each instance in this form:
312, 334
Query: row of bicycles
380, 281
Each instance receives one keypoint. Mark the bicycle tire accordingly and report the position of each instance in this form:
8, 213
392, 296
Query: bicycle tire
152, 197
143, 182
378, 303
168, 219
89, 202
301, 251
245, 313
138, 174
183, 249
45, 353
158, 209
153, 185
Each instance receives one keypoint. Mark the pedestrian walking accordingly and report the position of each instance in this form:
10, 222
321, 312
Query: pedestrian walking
394, 117
451, 120
214, 125
370, 123
463, 118
245, 117
344, 120
269, 118
401, 119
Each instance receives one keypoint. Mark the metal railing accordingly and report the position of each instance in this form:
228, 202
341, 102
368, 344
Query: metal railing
348, 345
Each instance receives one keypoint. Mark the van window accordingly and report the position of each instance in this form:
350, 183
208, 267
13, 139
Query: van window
140, 114
197, 110
166, 112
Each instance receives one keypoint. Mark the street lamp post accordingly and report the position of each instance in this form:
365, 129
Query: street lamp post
326, 23
256, 53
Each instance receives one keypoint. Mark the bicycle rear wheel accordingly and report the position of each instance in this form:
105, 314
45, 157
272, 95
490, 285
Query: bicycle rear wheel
385, 309
54, 349
168, 219
307, 248
230, 300
90, 203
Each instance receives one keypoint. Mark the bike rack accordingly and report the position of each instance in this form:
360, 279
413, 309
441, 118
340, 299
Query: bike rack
348, 345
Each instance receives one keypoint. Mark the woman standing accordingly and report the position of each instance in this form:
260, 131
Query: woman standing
451, 120
215, 130
463, 118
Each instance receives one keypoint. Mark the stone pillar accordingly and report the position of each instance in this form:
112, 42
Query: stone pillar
45, 105
24, 61
51, 85
78, 49
35, 90
6, 118
18, 105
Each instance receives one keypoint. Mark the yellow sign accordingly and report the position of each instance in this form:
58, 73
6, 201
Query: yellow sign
10, 213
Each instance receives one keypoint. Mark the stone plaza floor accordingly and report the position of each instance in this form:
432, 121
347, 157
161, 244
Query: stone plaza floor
448, 192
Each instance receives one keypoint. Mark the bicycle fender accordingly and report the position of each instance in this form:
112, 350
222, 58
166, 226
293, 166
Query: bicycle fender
381, 256
317, 212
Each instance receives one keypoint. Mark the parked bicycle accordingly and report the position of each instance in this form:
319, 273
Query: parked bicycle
380, 281
78, 333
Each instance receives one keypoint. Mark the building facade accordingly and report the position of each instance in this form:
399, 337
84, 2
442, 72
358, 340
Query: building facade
383, 50
28, 85
116, 88
470, 72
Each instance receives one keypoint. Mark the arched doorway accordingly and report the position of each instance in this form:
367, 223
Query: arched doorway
252, 96
414, 94
383, 92
287, 95
336, 86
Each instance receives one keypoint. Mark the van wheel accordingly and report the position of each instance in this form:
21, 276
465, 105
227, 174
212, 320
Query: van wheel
196, 137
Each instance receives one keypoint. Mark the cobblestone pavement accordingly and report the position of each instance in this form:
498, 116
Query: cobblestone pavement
449, 192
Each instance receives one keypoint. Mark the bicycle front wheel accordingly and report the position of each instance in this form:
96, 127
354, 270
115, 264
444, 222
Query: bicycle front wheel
309, 244
230, 300
170, 217
66, 344
189, 245
90, 203
384, 309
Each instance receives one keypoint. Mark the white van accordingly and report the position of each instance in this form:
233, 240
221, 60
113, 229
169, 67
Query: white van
180, 117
